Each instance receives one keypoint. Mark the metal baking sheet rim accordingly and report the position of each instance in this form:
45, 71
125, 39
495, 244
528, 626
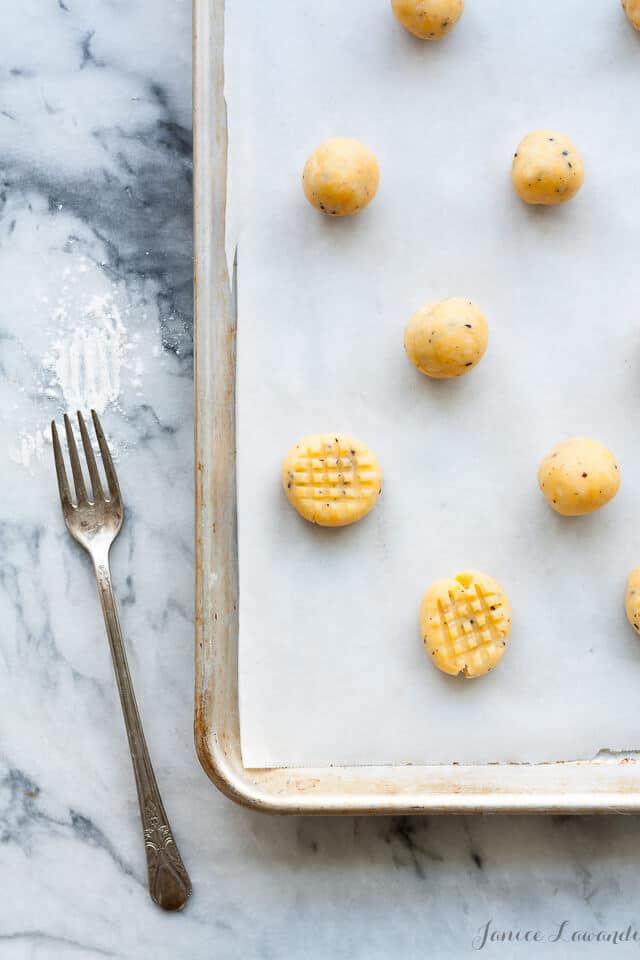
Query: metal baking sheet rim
610, 784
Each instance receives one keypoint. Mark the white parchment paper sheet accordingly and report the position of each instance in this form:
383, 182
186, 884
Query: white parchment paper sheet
332, 668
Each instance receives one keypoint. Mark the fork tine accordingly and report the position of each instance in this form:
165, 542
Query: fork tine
76, 469
109, 469
61, 473
92, 467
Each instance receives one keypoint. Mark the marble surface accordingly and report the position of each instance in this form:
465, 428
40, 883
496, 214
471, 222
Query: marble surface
95, 273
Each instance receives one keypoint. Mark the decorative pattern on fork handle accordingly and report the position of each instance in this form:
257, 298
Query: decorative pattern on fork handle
164, 863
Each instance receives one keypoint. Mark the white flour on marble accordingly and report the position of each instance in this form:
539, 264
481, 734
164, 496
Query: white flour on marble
86, 362
28, 447
90, 349
93, 360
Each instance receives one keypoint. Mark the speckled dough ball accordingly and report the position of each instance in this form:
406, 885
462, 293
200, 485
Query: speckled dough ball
547, 168
578, 477
632, 599
632, 10
341, 177
428, 19
447, 338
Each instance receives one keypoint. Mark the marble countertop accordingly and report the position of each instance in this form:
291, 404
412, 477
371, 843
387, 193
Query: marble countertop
95, 273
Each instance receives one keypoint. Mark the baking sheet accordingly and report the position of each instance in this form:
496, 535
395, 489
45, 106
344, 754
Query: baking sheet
332, 669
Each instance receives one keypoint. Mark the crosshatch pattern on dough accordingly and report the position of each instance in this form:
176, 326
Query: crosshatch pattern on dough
465, 623
331, 479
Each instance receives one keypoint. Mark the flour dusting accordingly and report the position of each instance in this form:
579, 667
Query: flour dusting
101, 344
86, 363
28, 447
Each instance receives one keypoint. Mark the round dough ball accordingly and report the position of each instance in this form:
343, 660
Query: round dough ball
447, 338
341, 177
578, 477
632, 599
632, 10
547, 168
331, 479
465, 622
428, 19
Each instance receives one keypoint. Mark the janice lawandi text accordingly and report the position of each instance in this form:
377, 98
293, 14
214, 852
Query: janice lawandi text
563, 932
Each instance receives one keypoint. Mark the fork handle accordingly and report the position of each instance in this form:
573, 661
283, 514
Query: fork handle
169, 884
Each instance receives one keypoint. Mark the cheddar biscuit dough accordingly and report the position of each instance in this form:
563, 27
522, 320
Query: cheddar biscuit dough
579, 476
547, 168
465, 622
331, 479
632, 599
428, 19
632, 10
447, 338
341, 177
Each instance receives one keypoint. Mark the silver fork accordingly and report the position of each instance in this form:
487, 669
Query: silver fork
95, 523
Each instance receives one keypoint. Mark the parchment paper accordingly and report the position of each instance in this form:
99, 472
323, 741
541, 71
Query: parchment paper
332, 668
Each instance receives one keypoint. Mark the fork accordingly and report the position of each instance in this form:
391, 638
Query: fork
95, 523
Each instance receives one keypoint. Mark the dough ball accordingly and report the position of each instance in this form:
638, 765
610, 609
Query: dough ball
341, 177
579, 476
632, 10
632, 599
428, 19
331, 479
446, 338
547, 168
465, 621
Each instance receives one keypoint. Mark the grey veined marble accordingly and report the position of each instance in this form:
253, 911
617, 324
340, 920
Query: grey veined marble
95, 307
